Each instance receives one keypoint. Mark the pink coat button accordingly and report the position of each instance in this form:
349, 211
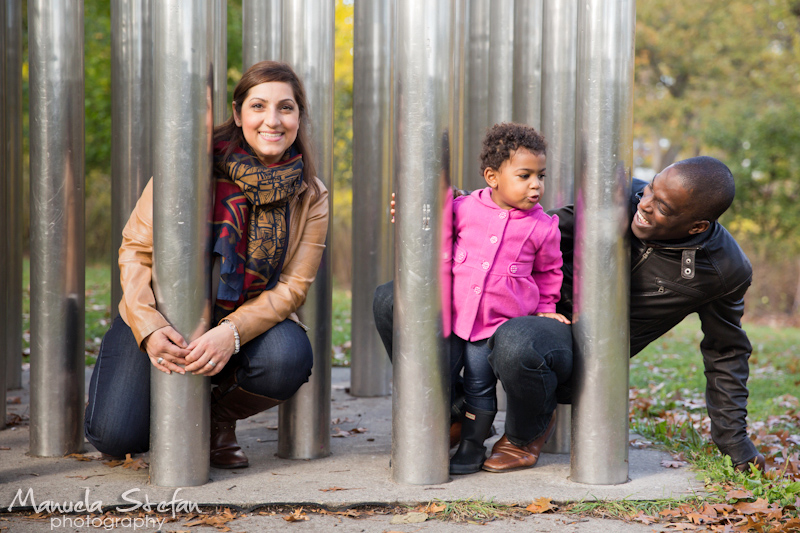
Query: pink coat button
513, 269
503, 214
485, 265
476, 289
493, 239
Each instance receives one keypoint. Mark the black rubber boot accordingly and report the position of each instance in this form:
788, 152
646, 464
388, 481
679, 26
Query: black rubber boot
471, 453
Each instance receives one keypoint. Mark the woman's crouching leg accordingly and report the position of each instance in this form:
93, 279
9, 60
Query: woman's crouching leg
276, 363
117, 420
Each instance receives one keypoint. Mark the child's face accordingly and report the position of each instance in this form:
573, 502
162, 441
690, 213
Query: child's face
519, 182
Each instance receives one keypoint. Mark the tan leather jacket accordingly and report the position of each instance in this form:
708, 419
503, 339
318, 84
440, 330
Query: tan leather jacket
309, 227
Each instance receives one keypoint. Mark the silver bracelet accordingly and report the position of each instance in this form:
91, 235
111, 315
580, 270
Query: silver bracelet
236, 344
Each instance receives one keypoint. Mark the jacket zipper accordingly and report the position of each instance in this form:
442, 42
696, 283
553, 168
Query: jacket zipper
642, 259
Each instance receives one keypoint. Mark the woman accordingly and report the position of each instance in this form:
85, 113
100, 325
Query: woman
270, 223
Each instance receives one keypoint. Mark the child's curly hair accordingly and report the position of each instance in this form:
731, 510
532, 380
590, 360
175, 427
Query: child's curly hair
507, 137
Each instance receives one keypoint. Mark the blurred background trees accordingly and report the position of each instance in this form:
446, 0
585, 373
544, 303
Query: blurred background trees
716, 78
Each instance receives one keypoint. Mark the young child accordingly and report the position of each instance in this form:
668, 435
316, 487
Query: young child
506, 264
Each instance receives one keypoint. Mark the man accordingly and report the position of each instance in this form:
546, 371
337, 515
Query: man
682, 261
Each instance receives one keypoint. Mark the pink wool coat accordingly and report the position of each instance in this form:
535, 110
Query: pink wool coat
506, 263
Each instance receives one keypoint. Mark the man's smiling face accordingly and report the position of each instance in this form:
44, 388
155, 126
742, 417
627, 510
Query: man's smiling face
666, 210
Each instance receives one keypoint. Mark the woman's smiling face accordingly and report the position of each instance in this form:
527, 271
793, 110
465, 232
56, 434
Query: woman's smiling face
270, 119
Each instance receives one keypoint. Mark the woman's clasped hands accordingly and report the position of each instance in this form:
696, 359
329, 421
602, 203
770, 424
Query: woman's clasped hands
207, 355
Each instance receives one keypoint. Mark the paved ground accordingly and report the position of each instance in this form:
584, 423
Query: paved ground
356, 473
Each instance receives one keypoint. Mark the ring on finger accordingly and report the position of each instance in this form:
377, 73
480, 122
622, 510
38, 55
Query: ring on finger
160, 360
212, 363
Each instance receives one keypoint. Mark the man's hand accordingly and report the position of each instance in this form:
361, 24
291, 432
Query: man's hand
555, 316
758, 461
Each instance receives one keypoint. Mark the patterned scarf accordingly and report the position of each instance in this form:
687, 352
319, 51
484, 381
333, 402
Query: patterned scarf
254, 199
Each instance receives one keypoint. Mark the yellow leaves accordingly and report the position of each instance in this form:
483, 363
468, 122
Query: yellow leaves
541, 505
217, 520
297, 516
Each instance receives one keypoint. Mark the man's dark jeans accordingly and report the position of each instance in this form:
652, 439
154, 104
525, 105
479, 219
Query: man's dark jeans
531, 356
274, 364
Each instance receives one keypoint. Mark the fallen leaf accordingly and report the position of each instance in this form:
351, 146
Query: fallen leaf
738, 494
13, 400
644, 518
114, 462
296, 516
333, 489
761, 505
410, 518
339, 433
673, 464
436, 507
541, 505
78, 457
682, 526
4, 448
134, 464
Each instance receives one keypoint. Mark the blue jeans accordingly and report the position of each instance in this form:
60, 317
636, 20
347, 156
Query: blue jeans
274, 364
530, 355
479, 379
532, 358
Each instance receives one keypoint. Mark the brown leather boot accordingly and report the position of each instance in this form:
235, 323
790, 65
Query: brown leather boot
230, 403
507, 456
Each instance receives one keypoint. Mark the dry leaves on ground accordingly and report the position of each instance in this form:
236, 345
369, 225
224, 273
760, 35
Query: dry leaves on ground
296, 516
541, 505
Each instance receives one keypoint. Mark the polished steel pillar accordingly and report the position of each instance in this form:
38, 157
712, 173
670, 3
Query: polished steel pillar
4, 259
55, 48
305, 420
421, 391
602, 252
476, 91
131, 117
559, 64
373, 261
458, 93
501, 62
220, 58
559, 58
528, 63
12, 102
262, 31
182, 194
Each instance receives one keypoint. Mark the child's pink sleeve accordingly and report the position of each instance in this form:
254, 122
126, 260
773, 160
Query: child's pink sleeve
547, 269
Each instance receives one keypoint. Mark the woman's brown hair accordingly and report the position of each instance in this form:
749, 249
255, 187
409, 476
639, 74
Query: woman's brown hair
263, 72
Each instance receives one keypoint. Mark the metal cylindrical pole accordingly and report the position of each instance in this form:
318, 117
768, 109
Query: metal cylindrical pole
559, 64
528, 63
501, 62
372, 251
12, 101
4, 205
55, 48
602, 263
182, 194
421, 391
220, 58
262, 31
559, 57
305, 420
131, 117
476, 92
458, 81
